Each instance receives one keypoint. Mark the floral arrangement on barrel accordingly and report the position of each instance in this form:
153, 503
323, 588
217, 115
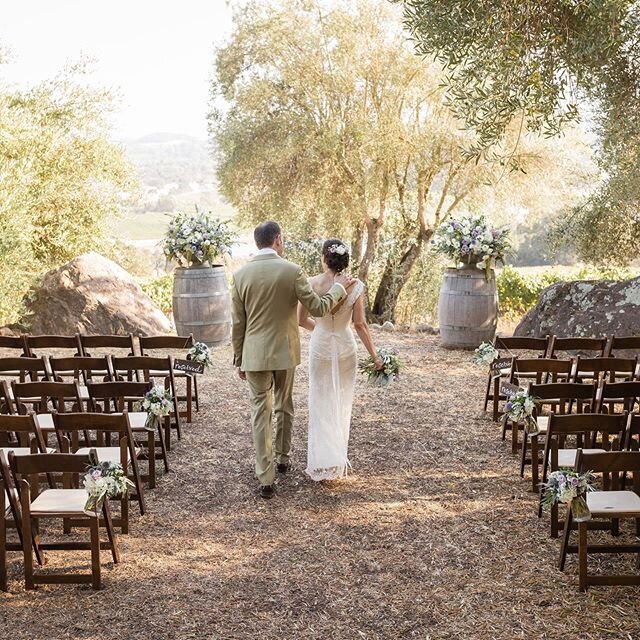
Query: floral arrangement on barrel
471, 240
389, 373
158, 404
104, 480
486, 353
520, 408
197, 239
568, 486
201, 353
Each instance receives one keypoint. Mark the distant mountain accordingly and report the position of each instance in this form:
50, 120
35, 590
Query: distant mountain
176, 171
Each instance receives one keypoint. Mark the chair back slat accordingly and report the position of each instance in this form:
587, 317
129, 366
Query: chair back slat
80, 367
175, 343
90, 344
23, 368
623, 343
39, 394
522, 343
578, 344
38, 463
15, 343
608, 461
45, 342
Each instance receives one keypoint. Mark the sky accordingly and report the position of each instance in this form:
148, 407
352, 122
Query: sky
156, 55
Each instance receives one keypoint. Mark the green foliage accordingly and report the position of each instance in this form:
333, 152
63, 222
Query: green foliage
160, 290
527, 63
305, 253
519, 291
335, 127
60, 178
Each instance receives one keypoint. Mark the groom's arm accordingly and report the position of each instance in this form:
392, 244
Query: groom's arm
316, 305
238, 326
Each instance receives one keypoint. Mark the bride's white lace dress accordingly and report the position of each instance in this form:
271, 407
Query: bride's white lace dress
332, 374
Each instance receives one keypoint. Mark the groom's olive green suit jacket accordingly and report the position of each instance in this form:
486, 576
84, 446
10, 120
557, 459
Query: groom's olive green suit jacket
265, 296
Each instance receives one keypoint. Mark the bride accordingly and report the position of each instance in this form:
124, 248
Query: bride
332, 367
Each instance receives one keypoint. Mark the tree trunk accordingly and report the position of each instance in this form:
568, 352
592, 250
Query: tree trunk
373, 236
395, 277
356, 246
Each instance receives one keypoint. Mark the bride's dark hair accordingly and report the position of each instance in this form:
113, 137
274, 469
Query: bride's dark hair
335, 254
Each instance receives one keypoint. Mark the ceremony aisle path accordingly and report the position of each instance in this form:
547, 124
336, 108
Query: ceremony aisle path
433, 536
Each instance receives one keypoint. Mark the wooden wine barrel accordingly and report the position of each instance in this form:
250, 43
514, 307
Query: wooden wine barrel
202, 304
467, 308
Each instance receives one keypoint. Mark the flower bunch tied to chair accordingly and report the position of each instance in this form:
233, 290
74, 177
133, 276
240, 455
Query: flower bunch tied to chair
569, 487
157, 403
104, 480
520, 409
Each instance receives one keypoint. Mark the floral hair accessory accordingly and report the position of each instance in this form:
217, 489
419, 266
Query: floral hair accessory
340, 249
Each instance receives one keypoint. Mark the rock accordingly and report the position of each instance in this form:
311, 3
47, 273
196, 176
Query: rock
585, 308
388, 326
92, 295
427, 328
375, 326
9, 331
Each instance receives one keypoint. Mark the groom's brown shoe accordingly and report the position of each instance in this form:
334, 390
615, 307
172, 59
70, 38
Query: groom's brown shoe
267, 491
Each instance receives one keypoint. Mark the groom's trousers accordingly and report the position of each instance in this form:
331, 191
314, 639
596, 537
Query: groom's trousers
271, 391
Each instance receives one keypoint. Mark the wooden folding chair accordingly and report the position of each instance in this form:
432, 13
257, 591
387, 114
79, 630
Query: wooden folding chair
560, 397
65, 503
82, 370
20, 369
602, 368
95, 345
627, 344
69, 427
45, 343
537, 370
42, 398
612, 395
613, 502
118, 397
150, 369
180, 344
13, 346
510, 346
594, 347
593, 432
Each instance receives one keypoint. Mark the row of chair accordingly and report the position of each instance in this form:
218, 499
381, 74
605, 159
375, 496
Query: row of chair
86, 402
27, 345
587, 415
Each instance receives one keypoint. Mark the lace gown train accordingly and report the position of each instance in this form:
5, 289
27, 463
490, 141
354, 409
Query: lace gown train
332, 373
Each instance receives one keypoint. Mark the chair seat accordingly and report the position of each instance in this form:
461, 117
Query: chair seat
58, 502
45, 421
567, 457
21, 451
137, 419
106, 454
543, 423
614, 503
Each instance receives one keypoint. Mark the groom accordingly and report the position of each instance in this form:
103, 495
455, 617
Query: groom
266, 342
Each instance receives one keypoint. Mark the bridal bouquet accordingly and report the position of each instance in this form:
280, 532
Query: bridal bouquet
158, 403
201, 353
519, 409
486, 353
195, 239
104, 480
569, 486
389, 372
471, 240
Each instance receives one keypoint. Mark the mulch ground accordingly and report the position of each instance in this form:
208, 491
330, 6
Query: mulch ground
433, 536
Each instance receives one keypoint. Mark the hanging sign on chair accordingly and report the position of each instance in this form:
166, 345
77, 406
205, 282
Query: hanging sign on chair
499, 366
188, 366
508, 390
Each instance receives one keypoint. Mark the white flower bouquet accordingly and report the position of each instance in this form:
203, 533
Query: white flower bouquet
471, 240
567, 486
486, 353
158, 403
389, 372
196, 239
104, 480
201, 353
519, 409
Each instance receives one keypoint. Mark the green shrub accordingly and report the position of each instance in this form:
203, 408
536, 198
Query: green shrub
519, 291
160, 291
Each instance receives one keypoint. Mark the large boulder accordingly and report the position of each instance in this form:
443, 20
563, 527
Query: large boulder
92, 295
585, 308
